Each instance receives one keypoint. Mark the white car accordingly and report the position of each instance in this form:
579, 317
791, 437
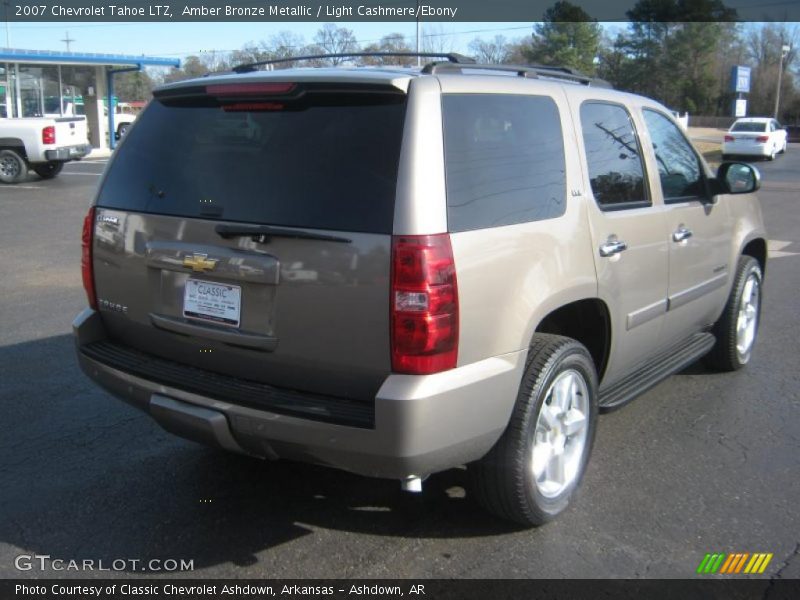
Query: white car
755, 136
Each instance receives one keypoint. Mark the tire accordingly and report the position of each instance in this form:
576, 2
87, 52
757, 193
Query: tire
737, 329
122, 130
513, 479
13, 167
771, 155
785, 144
48, 170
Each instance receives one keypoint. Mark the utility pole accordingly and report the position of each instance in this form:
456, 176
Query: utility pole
785, 49
67, 40
419, 58
8, 34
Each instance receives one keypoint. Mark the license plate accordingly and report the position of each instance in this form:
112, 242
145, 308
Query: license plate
214, 302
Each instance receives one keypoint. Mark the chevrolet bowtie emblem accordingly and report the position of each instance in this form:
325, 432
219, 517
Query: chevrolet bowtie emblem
199, 262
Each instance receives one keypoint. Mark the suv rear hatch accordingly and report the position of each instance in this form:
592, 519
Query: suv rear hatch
245, 229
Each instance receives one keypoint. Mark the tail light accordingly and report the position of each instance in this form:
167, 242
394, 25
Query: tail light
87, 269
49, 135
424, 304
729, 138
762, 138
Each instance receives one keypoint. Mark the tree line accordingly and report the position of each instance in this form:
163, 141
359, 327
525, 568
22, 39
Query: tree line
679, 52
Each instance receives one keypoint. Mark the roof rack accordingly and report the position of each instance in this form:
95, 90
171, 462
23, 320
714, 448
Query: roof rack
452, 58
529, 71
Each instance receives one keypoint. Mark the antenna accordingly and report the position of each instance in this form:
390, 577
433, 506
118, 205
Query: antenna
67, 40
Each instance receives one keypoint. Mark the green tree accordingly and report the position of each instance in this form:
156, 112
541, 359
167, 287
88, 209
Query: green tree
567, 37
671, 53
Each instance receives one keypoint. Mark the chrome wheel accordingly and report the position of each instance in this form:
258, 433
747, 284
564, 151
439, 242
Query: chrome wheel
9, 167
560, 434
747, 319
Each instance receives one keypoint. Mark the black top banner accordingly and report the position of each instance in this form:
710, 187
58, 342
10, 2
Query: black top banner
366, 10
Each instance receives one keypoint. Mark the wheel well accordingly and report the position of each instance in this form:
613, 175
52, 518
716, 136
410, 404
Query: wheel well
15, 145
586, 321
757, 249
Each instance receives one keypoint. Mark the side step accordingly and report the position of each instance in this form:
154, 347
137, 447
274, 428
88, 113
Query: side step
655, 370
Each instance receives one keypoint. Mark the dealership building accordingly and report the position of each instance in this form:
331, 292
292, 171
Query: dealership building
37, 83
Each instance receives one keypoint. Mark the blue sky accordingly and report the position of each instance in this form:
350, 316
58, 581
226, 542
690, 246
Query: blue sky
181, 39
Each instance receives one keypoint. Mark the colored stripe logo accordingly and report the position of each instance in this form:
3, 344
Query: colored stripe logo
734, 564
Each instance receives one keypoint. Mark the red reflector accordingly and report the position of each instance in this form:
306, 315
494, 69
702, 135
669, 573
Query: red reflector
252, 106
729, 138
762, 138
87, 268
249, 89
49, 135
424, 304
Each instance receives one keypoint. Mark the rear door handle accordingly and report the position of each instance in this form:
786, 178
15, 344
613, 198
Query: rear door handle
612, 247
681, 234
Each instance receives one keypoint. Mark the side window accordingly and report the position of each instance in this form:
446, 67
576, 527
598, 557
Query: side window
613, 155
678, 165
504, 160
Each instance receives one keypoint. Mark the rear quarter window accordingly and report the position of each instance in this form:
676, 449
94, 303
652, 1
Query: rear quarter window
328, 164
504, 160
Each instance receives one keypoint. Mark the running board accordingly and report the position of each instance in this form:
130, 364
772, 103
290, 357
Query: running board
656, 370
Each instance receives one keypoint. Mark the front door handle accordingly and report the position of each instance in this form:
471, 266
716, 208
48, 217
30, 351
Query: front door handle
681, 234
612, 247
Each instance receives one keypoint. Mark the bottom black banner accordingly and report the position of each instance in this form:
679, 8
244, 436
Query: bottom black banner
430, 589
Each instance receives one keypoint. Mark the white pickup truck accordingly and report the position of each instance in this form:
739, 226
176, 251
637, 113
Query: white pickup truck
40, 144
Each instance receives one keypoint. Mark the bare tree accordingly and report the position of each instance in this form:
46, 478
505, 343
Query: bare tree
335, 40
495, 51
394, 42
435, 39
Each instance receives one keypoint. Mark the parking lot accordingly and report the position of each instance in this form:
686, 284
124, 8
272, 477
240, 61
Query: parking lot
703, 463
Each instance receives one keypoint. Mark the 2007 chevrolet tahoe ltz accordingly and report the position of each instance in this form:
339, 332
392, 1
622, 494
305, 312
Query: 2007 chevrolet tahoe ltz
399, 271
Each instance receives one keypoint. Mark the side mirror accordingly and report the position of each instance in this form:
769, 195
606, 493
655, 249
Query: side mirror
737, 178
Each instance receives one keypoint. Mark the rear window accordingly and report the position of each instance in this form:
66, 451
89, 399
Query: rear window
328, 164
749, 126
504, 160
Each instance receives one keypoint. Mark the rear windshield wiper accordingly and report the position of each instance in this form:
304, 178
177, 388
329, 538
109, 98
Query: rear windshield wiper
262, 233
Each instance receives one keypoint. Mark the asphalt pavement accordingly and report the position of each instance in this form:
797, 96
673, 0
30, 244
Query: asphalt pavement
705, 462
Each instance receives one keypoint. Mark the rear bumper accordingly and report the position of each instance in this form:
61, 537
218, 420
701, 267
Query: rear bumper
68, 153
422, 424
748, 149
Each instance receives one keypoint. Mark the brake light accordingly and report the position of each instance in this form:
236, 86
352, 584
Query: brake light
87, 268
250, 89
729, 138
424, 304
762, 138
49, 135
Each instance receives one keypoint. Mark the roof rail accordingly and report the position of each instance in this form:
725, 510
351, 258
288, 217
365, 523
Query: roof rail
529, 71
452, 58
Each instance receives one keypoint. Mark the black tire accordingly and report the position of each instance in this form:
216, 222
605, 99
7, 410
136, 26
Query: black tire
503, 481
122, 130
13, 167
726, 355
48, 170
